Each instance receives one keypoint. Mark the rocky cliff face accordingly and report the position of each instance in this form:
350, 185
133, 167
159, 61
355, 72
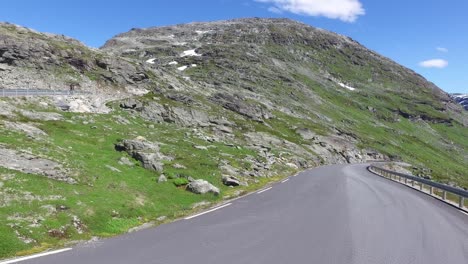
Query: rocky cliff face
462, 99
30, 59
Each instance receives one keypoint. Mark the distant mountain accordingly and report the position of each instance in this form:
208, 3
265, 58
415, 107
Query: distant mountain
461, 99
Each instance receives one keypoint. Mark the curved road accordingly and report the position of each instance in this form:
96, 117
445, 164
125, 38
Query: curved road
335, 214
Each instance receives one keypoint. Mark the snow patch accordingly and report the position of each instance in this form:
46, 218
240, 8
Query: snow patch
173, 63
193, 65
201, 32
151, 61
182, 68
189, 53
347, 86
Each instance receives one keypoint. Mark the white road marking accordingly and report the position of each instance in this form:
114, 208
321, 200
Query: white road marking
35, 256
460, 211
262, 191
285, 181
209, 211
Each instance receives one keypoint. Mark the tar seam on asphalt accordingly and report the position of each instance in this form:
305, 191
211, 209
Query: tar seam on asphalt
209, 211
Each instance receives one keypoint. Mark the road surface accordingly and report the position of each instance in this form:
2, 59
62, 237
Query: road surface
334, 214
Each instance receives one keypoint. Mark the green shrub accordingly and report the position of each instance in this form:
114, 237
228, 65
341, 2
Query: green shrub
180, 182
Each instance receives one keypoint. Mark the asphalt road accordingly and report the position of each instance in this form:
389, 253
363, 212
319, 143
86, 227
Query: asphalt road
333, 214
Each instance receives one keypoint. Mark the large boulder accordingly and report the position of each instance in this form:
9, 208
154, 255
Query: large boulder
201, 187
144, 151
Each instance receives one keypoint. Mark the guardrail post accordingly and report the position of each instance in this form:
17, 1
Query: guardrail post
461, 202
406, 181
444, 195
412, 183
421, 187
431, 190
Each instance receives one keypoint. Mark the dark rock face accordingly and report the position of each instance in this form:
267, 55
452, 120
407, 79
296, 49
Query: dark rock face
131, 104
39, 59
462, 99
230, 180
237, 104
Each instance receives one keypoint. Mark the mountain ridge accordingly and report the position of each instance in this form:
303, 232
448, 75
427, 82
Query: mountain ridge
165, 121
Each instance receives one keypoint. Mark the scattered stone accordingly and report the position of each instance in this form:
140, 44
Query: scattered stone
230, 180
201, 187
305, 133
200, 204
115, 213
162, 178
200, 147
225, 129
78, 224
141, 227
178, 166
57, 233
62, 207
161, 218
113, 168
292, 165
126, 161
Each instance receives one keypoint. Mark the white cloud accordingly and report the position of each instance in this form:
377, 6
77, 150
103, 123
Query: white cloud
441, 49
345, 10
435, 63
275, 10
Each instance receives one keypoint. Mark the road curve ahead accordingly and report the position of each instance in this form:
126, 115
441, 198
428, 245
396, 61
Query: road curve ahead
335, 214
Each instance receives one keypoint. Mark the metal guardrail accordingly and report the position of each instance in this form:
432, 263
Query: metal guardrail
403, 178
36, 92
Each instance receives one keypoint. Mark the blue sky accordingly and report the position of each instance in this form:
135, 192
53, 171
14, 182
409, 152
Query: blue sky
428, 36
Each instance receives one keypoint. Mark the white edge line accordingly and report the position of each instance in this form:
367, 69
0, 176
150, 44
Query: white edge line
209, 211
36, 256
262, 191
460, 211
285, 181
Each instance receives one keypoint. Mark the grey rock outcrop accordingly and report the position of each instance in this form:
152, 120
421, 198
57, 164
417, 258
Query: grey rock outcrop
145, 152
28, 129
230, 180
239, 105
42, 116
188, 117
28, 163
201, 187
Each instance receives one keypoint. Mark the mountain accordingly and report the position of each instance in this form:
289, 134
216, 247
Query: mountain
164, 114
461, 99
